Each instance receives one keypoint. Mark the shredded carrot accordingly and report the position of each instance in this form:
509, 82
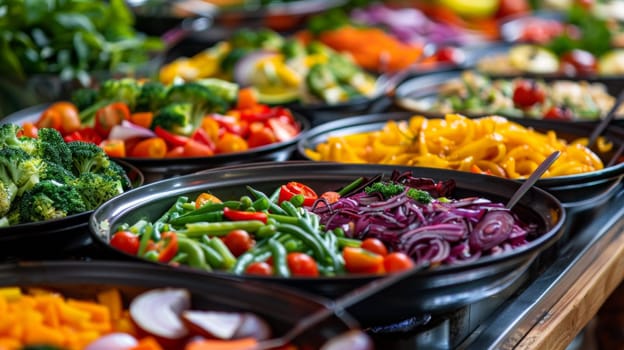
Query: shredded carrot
381, 51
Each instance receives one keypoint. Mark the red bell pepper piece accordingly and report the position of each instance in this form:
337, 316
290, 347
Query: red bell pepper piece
200, 135
239, 215
167, 247
85, 134
170, 138
283, 130
293, 188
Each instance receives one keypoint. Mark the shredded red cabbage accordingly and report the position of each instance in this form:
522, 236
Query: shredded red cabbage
443, 231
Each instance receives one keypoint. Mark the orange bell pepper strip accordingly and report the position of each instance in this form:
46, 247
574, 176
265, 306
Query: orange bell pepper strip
216, 344
143, 119
114, 148
153, 147
358, 260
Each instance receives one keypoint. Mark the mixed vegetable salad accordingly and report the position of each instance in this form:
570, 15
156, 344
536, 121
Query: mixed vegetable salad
44, 178
156, 319
279, 69
371, 226
580, 46
146, 119
478, 95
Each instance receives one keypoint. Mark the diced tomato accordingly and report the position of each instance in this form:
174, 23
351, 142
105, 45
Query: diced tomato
293, 188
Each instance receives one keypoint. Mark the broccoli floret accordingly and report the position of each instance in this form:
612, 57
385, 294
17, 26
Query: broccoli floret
322, 83
84, 98
52, 148
224, 90
19, 168
125, 90
87, 158
152, 97
115, 171
50, 200
54, 171
96, 189
175, 118
204, 99
9, 138
293, 48
419, 195
387, 189
8, 191
258, 39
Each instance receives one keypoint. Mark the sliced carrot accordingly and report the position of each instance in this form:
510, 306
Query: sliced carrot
153, 147
215, 344
147, 343
194, 148
246, 98
114, 148
143, 119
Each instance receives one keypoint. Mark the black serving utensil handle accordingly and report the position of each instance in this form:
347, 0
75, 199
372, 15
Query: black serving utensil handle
532, 179
339, 305
606, 120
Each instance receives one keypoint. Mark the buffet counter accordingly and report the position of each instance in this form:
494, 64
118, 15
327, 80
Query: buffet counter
555, 307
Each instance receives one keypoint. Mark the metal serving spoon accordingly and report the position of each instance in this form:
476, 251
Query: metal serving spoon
530, 181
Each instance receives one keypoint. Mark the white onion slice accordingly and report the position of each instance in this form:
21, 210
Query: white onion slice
113, 341
158, 312
128, 130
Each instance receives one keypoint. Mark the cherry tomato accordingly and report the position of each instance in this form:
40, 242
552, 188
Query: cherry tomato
70, 119
527, 93
238, 242
125, 241
359, 260
49, 118
301, 264
259, 268
449, 54
229, 143
397, 261
375, 245
109, 116
28, 130
559, 113
578, 62
293, 188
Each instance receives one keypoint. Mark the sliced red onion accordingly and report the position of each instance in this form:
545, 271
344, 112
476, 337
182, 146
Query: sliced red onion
113, 341
245, 67
128, 130
492, 230
157, 312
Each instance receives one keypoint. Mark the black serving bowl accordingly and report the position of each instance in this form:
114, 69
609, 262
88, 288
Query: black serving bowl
53, 238
432, 291
417, 93
280, 307
157, 169
578, 191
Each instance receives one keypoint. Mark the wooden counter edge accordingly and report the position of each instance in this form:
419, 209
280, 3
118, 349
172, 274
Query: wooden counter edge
580, 303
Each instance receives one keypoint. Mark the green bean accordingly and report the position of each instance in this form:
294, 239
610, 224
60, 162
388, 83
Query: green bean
280, 266
306, 225
353, 185
180, 258
176, 207
266, 231
188, 206
245, 202
145, 238
261, 204
242, 262
213, 258
289, 208
285, 219
348, 242
319, 249
151, 255
274, 208
228, 258
198, 229
262, 256
274, 197
196, 257
212, 216
339, 232
138, 227
297, 200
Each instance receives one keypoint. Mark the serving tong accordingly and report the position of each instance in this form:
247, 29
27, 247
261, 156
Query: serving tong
598, 130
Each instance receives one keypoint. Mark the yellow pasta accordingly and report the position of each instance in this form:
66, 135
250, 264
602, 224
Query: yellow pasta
492, 145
